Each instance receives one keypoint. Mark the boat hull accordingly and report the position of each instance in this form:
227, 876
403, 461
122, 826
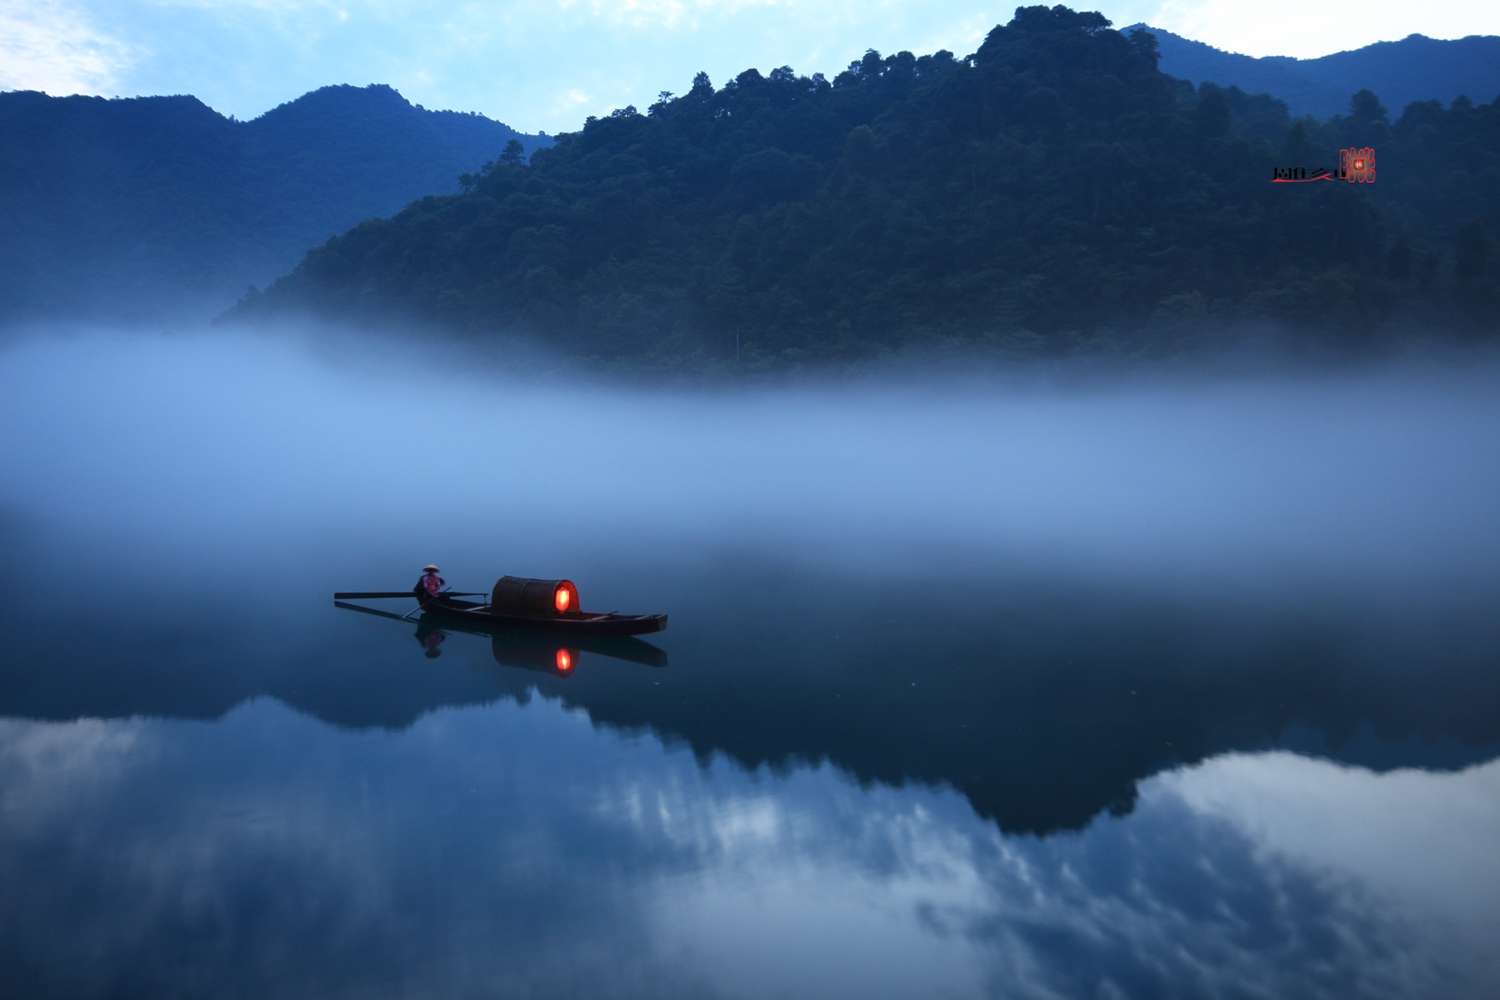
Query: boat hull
582, 624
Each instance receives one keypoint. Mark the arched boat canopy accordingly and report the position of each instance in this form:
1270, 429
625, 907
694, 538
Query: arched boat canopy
519, 595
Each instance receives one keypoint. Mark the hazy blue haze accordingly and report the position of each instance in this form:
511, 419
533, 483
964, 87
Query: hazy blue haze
162, 210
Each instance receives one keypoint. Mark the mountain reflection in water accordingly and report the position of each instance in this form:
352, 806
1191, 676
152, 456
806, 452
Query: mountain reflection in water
1176, 692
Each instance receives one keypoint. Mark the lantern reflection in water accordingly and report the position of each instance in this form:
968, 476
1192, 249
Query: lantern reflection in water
514, 648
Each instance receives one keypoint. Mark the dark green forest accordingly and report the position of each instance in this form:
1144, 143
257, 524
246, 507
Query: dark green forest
1054, 193
144, 206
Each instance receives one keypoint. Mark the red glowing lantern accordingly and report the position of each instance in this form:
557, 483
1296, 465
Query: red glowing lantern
564, 661
562, 599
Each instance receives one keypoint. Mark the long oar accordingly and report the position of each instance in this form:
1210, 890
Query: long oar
367, 595
369, 611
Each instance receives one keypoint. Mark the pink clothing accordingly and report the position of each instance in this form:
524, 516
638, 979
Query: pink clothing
432, 583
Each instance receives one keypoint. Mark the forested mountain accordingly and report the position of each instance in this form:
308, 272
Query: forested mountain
1416, 68
1053, 192
147, 206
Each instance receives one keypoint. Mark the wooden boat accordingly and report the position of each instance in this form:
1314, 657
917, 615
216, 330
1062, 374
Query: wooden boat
521, 602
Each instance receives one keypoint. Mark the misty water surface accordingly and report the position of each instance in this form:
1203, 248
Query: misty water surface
1147, 687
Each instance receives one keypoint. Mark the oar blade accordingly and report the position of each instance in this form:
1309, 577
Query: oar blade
368, 611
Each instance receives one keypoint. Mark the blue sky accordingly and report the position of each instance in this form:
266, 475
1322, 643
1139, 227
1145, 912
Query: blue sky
545, 64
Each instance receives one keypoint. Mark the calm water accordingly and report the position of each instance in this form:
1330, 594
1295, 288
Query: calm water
1168, 690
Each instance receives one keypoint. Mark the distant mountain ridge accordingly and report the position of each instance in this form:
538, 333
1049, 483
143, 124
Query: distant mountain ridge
1417, 68
138, 207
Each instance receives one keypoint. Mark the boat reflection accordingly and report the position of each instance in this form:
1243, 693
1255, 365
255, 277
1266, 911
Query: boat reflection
545, 652
521, 648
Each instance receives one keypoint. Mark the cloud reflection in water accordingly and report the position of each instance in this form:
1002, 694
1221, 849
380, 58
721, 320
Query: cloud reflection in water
517, 850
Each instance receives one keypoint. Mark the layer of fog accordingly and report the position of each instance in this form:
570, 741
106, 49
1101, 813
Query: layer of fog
217, 448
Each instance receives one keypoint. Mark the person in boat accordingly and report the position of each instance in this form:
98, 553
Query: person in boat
430, 585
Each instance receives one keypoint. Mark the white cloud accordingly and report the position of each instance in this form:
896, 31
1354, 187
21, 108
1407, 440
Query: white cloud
47, 45
1308, 30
